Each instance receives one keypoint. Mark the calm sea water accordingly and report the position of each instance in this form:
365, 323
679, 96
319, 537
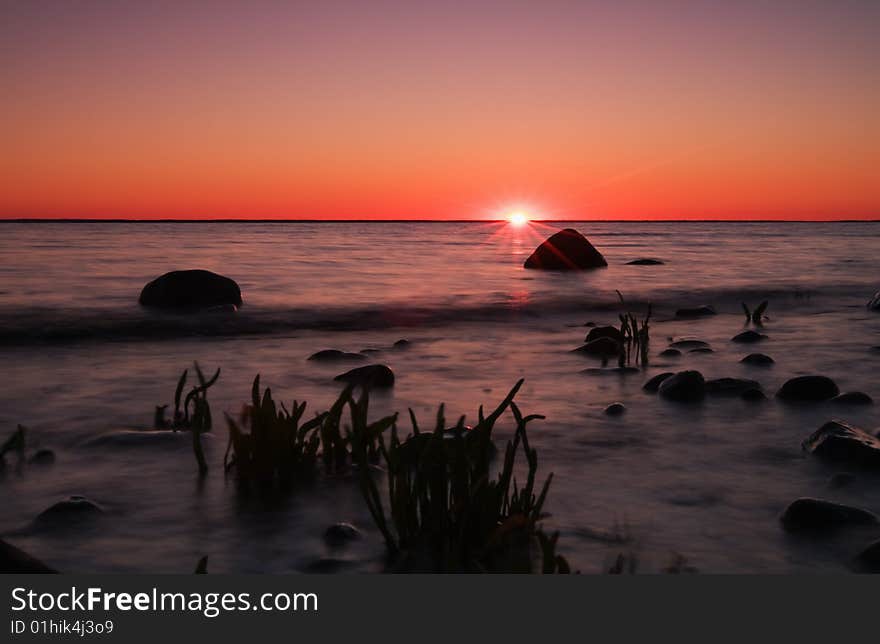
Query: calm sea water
706, 481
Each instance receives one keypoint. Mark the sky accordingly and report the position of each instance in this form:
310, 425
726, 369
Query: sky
400, 109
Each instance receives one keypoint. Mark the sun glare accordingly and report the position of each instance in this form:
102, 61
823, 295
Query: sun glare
518, 218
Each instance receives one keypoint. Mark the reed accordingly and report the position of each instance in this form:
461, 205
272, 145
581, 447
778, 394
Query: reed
15, 443
636, 336
756, 317
192, 412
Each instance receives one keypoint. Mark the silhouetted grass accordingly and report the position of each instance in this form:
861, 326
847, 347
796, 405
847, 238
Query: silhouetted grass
636, 337
191, 413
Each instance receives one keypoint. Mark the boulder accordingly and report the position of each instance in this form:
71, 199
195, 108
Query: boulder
70, 511
808, 388
645, 261
603, 347
806, 514
853, 398
654, 383
14, 561
604, 332
615, 409
685, 386
190, 290
370, 376
841, 442
335, 355
696, 312
340, 534
565, 250
731, 386
670, 353
689, 344
758, 360
753, 395
747, 337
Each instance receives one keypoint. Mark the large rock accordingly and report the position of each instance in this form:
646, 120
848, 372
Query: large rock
839, 441
603, 347
808, 388
191, 290
565, 251
14, 561
806, 514
685, 386
654, 383
372, 375
604, 332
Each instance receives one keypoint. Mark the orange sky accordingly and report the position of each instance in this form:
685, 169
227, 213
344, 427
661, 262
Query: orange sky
573, 110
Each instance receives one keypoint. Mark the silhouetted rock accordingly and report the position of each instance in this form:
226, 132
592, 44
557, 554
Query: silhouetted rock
42, 457
340, 534
702, 350
853, 398
566, 250
874, 303
401, 344
14, 561
758, 360
670, 353
654, 383
689, 344
615, 409
604, 332
841, 442
753, 395
70, 511
749, 336
373, 375
335, 355
808, 388
603, 347
696, 312
141, 437
194, 289
868, 559
807, 515
645, 261
730, 386
685, 386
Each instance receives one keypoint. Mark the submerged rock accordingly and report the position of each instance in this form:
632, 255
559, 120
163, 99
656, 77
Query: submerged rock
684, 386
807, 514
758, 360
72, 510
604, 332
654, 383
696, 312
373, 375
615, 409
600, 347
42, 457
401, 344
670, 353
808, 388
145, 437
853, 398
340, 534
565, 250
193, 289
335, 355
14, 561
731, 386
702, 350
749, 336
645, 261
841, 442
753, 395
689, 344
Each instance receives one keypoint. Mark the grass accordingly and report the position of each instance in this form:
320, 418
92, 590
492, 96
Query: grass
15, 443
636, 335
191, 413
756, 317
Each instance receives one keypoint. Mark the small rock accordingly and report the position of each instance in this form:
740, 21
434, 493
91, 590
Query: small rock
853, 398
758, 360
839, 441
654, 383
340, 534
401, 344
696, 312
335, 355
152, 437
670, 353
374, 375
42, 457
645, 261
685, 386
748, 337
73, 509
808, 388
753, 395
731, 386
808, 514
600, 347
689, 344
841, 479
604, 332
615, 409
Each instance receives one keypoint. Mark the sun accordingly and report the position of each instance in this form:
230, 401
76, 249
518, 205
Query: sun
518, 218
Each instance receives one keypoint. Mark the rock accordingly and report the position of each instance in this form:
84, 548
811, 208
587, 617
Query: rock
645, 261
195, 289
401, 344
689, 344
747, 337
42, 457
72, 510
841, 442
753, 395
730, 386
758, 360
670, 353
150, 437
611, 371
600, 347
841, 479
14, 561
853, 398
808, 388
615, 409
373, 375
654, 383
807, 514
869, 558
566, 250
874, 303
702, 350
696, 312
684, 386
335, 355
340, 534
604, 332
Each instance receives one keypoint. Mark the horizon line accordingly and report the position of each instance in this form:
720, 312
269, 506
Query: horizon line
493, 220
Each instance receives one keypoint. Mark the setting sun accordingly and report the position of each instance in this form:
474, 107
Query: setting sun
518, 218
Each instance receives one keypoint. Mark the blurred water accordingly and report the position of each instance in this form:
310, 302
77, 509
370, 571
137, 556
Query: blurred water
707, 481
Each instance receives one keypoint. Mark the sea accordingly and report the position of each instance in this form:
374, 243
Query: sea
670, 486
